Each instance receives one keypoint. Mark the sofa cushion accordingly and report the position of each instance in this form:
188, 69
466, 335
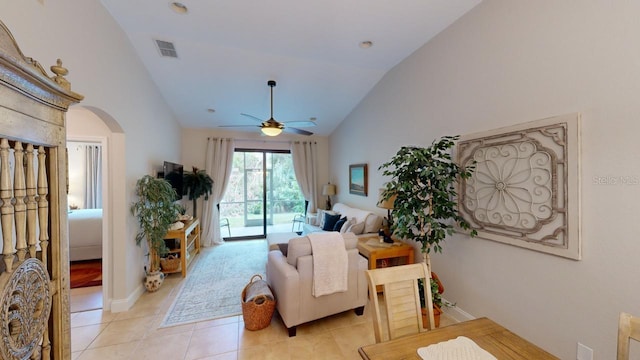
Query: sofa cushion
356, 228
339, 224
320, 217
372, 224
349, 212
347, 224
330, 221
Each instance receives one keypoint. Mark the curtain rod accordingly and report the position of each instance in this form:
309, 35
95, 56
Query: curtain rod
264, 141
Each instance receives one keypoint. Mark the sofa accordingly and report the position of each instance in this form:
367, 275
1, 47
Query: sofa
362, 223
291, 279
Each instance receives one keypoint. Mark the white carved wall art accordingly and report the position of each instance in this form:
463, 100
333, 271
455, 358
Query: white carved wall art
525, 190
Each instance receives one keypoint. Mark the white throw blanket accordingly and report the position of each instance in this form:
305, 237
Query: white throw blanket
330, 263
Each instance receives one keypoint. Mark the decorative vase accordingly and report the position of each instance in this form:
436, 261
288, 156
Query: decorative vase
153, 281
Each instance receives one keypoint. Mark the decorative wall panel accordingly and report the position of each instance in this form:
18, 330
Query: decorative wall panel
525, 190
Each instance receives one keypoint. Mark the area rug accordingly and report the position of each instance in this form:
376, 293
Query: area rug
215, 282
85, 273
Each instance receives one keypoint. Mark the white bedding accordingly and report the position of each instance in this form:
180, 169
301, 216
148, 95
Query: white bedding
85, 234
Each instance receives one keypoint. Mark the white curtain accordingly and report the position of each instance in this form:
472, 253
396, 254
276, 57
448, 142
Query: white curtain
93, 177
304, 156
219, 159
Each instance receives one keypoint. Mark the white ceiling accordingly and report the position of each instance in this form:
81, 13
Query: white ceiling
228, 49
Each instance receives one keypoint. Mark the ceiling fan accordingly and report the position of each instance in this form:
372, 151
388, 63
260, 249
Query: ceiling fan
273, 127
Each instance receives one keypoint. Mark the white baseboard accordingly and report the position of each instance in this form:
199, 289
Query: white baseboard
120, 305
457, 314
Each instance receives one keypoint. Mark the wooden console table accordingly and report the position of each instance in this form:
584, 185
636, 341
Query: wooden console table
188, 246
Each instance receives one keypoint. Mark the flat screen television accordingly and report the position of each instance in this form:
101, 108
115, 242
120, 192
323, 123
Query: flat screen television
173, 173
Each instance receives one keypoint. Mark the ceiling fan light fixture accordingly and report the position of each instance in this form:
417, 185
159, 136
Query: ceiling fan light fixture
178, 7
366, 44
271, 131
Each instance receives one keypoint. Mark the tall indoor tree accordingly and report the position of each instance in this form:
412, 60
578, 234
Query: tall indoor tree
423, 179
197, 183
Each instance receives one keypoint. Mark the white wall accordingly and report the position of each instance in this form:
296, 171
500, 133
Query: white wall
104, 68
503, 63
194, 149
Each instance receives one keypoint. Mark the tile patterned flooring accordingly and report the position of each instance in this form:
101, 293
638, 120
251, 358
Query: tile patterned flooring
134, 334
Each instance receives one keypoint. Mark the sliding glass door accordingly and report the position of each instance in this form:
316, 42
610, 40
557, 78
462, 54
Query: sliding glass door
263, 195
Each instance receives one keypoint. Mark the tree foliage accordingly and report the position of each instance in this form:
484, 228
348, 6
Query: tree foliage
423, 179
197, 183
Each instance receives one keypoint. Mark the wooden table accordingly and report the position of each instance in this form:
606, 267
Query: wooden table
500, 342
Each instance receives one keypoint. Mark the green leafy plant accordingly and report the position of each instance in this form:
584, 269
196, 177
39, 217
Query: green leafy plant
197, 183
436, 293
423, 180
155, 211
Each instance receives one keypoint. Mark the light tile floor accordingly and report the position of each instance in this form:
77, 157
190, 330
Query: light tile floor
134, 334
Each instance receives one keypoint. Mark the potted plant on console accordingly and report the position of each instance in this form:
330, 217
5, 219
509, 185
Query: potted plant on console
155, 211
197, 183
423, 180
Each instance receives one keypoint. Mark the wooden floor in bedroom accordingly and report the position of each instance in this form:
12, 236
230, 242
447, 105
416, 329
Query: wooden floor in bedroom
86, 273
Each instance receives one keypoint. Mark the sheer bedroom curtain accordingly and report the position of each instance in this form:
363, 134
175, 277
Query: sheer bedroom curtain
219, 159
93, 177
304, 155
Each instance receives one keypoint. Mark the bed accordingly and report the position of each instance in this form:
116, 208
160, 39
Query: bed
85, 234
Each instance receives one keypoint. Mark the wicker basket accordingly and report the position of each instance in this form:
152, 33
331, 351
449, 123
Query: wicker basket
257, 313
170, 264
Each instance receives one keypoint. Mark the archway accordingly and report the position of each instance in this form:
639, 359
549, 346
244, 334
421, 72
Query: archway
89, 124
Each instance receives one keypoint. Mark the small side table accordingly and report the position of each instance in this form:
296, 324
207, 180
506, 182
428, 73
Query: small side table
385, 255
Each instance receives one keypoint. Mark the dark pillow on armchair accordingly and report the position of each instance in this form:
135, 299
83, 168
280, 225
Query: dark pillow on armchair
330, 221
284, 248
339, 224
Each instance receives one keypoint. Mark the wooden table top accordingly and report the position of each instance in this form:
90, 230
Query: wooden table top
500, 342
389, 250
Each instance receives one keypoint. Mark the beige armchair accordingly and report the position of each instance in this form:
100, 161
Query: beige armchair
290, 278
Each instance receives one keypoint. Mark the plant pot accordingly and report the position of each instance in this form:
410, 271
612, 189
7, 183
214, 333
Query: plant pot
153, 281
436, 317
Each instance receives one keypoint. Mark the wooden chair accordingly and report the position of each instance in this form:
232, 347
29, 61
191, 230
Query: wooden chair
628, 328
401, 298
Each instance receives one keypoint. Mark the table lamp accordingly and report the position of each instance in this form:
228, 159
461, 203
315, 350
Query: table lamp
328, 190
386, 204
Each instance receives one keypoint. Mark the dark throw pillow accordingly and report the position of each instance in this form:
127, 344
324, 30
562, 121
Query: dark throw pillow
330, 221
339, 224
283, 248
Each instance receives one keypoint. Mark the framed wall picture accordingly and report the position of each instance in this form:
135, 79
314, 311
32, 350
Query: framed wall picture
358, 179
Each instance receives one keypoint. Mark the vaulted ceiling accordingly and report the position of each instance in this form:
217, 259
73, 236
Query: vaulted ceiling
227, 50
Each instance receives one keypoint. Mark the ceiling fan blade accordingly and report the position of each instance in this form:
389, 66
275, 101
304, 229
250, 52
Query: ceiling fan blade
235, 126
300, 123
297, 131
253, 117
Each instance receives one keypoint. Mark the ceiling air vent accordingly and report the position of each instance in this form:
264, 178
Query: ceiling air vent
166, 49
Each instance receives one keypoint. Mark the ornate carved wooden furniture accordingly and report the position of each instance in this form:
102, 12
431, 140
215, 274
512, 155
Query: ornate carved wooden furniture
34, 271
628, 328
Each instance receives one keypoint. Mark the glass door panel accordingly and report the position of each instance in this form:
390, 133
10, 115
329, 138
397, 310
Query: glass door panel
259, 178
